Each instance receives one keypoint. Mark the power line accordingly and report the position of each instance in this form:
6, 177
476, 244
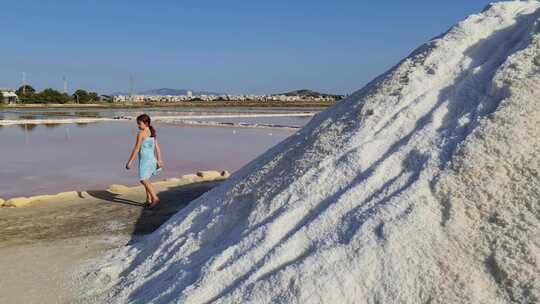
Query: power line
131, 87
65, 84
24, 82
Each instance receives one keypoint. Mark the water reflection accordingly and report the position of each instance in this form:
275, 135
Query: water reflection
27, 116
87, 114
27, 127
68, 136
51, 125
49, 113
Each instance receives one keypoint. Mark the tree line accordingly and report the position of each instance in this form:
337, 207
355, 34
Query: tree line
27, 94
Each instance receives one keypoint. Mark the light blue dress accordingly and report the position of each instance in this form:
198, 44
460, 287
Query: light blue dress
147, 159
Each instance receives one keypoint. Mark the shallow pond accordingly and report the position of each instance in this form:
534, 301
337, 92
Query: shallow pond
45, 159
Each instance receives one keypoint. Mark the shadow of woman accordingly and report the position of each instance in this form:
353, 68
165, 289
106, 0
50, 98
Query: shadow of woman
143, 220
172, 200
113, 198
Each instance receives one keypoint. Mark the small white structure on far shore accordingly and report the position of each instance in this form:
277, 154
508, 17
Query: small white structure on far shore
8, 96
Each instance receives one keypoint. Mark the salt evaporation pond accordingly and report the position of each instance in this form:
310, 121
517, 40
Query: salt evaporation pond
44, 159
226, 115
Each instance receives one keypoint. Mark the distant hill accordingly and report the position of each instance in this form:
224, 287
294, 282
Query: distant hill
178, 92
308, 93
167, 91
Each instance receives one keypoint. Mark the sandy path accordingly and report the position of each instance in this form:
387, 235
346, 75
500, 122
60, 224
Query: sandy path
42, 246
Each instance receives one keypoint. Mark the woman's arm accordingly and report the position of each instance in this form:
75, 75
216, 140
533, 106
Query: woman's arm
136, 149
158, 154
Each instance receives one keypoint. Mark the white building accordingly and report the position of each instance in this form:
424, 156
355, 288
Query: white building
8, 96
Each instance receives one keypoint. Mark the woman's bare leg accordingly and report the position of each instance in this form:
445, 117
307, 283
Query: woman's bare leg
153, 194
150, 191
148, 196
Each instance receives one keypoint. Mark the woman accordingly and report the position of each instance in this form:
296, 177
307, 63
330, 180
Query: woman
147, 146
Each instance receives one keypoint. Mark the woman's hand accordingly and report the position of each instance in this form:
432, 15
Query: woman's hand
128, 165
160, 164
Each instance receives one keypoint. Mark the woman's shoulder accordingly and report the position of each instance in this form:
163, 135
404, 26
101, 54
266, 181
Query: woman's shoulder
142, 135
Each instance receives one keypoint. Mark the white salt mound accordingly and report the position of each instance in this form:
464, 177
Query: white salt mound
422, 187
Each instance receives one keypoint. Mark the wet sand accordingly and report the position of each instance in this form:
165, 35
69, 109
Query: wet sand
44, 245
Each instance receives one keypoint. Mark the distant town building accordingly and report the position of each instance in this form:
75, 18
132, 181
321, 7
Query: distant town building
189, 97
8, 96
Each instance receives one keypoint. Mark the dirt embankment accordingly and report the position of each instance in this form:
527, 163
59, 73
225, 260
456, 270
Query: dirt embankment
44, 243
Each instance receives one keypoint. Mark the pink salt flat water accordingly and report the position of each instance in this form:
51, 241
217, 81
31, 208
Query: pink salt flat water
46, 159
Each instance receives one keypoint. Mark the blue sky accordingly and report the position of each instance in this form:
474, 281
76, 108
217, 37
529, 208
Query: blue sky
226, 46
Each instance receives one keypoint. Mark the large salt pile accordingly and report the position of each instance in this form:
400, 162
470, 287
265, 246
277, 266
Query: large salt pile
422, 187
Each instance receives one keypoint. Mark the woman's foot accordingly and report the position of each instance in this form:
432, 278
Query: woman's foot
153, 203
